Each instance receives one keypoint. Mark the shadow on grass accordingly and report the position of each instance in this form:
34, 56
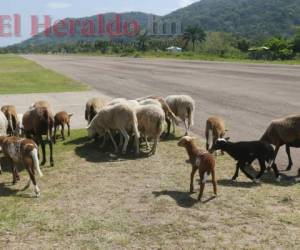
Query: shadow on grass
267, 178
90, 150
5, 190
6, 165
183, 199
170, 137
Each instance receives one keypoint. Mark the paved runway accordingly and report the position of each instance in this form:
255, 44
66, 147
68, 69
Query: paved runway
247, 96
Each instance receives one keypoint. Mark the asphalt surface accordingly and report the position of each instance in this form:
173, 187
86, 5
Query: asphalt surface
72, 102
247, 96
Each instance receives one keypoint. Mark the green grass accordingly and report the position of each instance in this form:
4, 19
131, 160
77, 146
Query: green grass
93, 200
18, 75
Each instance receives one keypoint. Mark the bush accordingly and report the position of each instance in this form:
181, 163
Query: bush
280, 49
220, 44
296, 42
243, 45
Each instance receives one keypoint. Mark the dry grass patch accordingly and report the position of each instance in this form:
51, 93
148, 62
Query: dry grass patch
93, 201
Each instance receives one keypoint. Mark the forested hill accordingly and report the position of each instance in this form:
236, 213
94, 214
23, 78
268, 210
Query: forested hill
254, 19
249, 18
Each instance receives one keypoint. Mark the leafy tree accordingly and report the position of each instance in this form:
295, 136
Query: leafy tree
220, 44
141, 40
296, 42
280, 48
243, 45
194, 34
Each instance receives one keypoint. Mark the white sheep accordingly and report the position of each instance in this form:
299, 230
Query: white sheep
182, 106
3, 124
132, 103
20, 126
151, 120
120, 117
150, 102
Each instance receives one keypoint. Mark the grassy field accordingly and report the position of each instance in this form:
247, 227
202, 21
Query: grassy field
91, 200
193, 56
18, 75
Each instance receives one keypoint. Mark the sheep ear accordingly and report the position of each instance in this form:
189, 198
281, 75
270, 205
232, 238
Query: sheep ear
227, 138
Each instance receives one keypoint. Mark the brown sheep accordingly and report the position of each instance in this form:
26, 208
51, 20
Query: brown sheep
23, 151
215, 129
284, 131
38, 122
41, 104
93, 106
61, 119
202, 161
12, 118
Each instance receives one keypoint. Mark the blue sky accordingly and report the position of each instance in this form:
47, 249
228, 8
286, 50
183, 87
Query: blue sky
59, 9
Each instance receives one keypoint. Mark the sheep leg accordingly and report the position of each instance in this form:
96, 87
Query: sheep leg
147, 143
242, 166
173, 124
69, 130
276, 172
30, 170
192, 179
126, 137
42, 143
54, 136
262, 169
202, 185
154, 147
288, 151
16, 176
113, 141
275, 155
63, 131
236, 174
137, 145
121, 143
103, 142
214, 181
168, 121
186, 128
27, 185
51, 153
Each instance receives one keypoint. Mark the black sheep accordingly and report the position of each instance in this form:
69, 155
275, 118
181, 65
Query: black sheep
246, 152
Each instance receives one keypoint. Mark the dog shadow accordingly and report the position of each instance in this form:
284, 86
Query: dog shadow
183, 199
6, 191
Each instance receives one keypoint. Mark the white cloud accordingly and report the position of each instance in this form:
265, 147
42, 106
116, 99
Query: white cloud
58, 5
184, 3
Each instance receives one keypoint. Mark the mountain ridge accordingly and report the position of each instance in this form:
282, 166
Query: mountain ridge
252, 19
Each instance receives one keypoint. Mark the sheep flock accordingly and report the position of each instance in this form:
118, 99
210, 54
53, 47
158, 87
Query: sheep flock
136, 126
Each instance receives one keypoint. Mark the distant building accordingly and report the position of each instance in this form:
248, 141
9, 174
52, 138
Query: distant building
259, 48
174, 49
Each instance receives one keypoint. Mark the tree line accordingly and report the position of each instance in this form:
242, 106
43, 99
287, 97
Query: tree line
193, 41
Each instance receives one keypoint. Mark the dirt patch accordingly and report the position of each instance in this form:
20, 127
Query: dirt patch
93, 201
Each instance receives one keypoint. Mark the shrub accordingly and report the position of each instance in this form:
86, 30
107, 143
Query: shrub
280, 49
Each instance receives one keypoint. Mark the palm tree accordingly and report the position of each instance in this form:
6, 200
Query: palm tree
194, 34
142, 39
